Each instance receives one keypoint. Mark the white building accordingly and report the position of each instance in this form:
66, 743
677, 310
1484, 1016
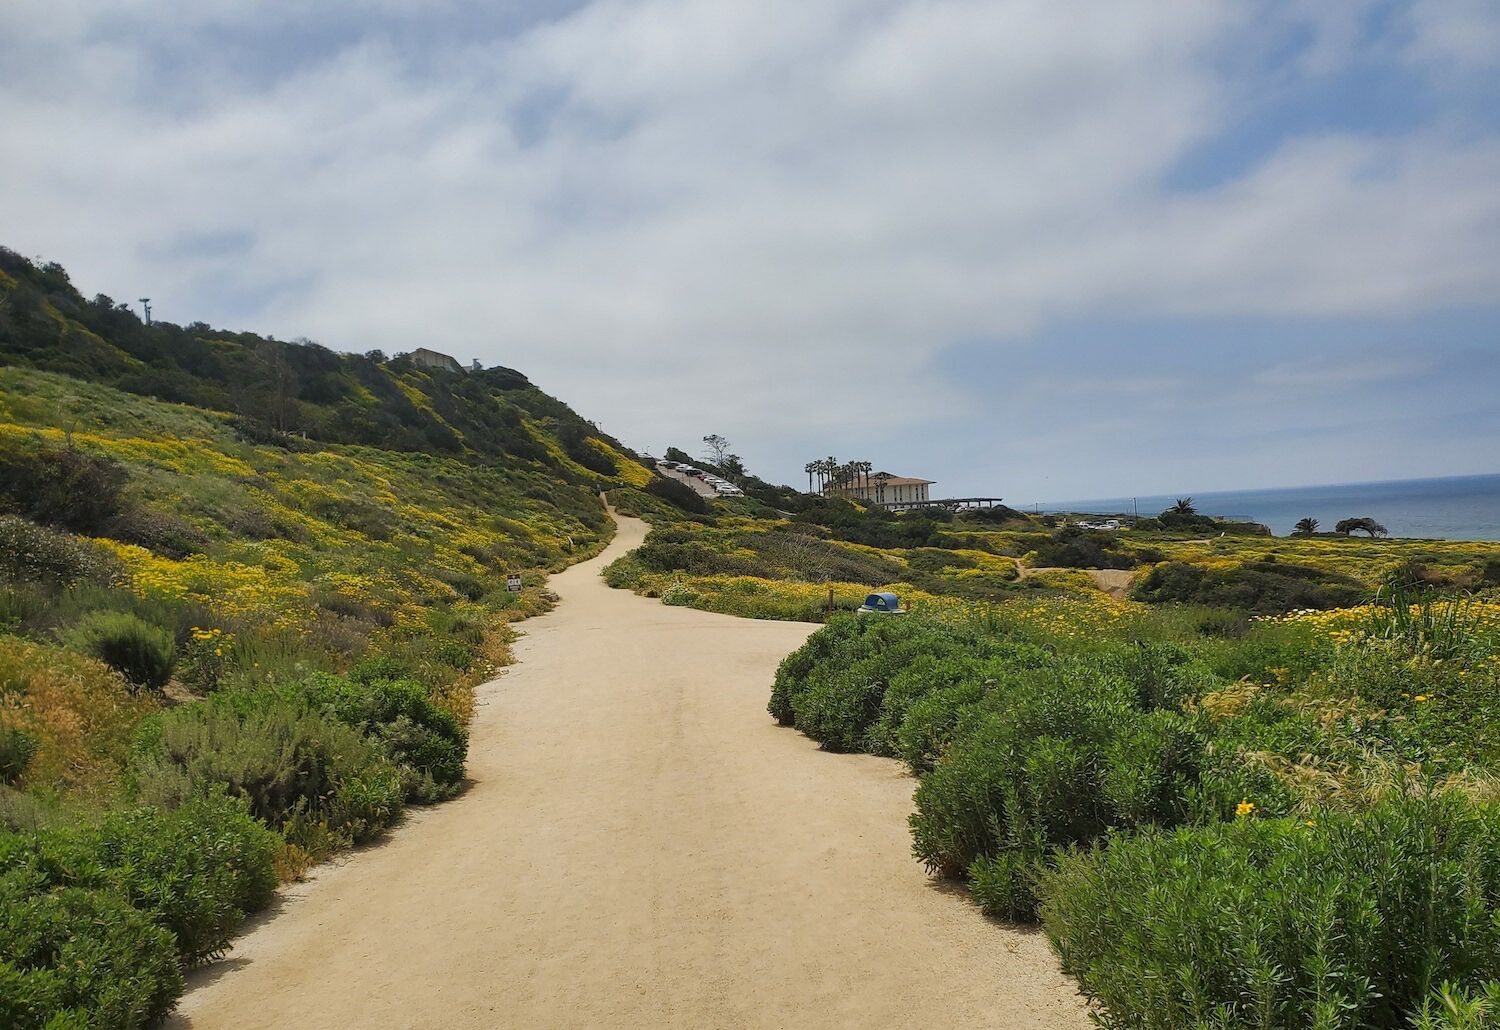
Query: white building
882, 488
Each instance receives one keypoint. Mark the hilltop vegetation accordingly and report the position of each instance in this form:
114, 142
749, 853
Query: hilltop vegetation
246, 590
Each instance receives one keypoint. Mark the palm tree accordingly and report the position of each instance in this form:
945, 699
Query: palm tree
810, 468
1307, 527
1184, 506
880, 482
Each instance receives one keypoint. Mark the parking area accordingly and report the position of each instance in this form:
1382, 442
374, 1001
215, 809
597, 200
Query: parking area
705, 483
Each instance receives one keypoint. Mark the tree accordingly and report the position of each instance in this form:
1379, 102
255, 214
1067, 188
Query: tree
1183, 506
1364, 523
718, 448
733, 466
810, 468
1306, 527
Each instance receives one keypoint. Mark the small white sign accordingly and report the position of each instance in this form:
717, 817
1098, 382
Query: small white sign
513, 583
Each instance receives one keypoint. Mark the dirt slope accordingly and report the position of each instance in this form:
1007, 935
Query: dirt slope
641, 847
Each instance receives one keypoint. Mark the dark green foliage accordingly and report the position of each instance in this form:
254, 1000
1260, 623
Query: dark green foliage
1075, 548
144, 654
17, 748
1049, 759
197, 871
426, 741
678, 494
1004, 885
927, 729
805, 557
94, 921
661, 553
73, 957
1261, 587
298, 769
574, 438
1363, 524
58, 486
1352, 921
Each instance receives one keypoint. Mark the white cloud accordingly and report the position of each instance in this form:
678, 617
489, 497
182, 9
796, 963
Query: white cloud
687, 216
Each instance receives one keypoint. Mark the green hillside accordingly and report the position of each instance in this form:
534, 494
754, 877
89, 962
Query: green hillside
246, 590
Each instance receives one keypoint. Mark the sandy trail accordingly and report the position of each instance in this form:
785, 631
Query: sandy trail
641, 847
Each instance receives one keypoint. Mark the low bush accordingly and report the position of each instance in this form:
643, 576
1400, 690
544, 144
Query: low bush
1075, 548
58, 486
1349, 920
425, 740
1047, 758
33, 553
144, 654
677, 494
196, 871
304, 772
74, 957
17, 749
1261, 587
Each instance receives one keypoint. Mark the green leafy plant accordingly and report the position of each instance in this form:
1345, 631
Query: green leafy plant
144, 654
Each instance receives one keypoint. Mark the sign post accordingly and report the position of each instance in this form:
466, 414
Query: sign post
513, 582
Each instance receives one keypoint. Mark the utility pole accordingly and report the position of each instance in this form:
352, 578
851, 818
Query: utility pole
146, 303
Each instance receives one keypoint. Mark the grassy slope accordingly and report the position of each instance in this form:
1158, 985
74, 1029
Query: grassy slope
276, 513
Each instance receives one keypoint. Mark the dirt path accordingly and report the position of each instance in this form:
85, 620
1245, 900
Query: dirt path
1114, 582
641, 847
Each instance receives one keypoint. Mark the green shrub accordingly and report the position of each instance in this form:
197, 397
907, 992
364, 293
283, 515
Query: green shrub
31, 553
1451, 1007
72, 957
17, 749
298, 769
795, 669
144, 654
196, 871
929, 724
1005, 885
842, 697
1345, 921
58, 486
426, 741
1051, 757
1261, 587
1075, 548
678, 494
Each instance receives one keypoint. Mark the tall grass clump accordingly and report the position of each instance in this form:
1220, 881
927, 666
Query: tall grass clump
144, 654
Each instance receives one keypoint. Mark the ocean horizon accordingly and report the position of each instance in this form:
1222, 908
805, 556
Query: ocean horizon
1443, 508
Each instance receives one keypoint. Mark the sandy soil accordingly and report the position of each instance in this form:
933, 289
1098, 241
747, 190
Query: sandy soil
1114, 582
641, 847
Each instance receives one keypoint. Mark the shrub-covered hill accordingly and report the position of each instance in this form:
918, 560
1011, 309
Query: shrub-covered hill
240, 620
273, 388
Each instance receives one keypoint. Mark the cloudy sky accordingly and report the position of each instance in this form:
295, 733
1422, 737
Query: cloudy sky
1045, 249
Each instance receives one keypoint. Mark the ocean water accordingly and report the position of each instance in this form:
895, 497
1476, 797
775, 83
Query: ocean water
1451, 508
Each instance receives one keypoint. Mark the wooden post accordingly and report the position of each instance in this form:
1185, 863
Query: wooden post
828, 609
